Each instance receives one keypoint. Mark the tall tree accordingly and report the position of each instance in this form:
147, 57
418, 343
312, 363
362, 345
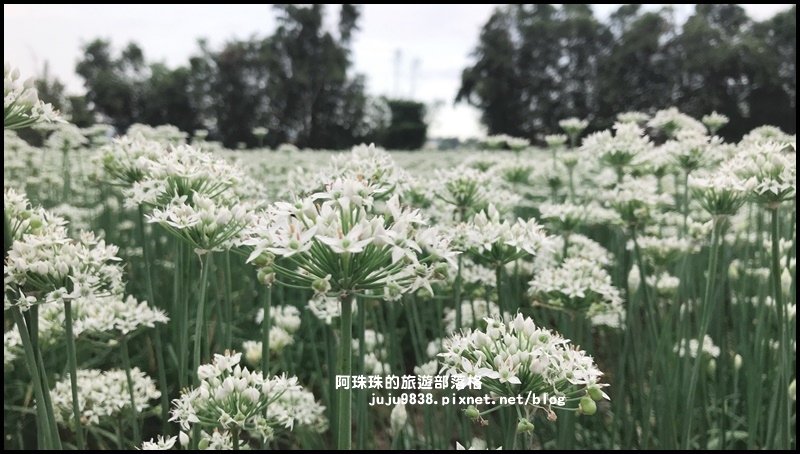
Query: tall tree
493, 83
772, 67
111, 82
638, 70
536, 64
296, 82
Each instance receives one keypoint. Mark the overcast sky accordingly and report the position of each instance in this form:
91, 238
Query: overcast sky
439, 38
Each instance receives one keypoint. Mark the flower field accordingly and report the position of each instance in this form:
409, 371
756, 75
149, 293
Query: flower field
634, 286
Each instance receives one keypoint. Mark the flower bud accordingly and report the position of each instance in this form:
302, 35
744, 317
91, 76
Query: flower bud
266, 276
472, 412
587, 406
398, 419
321, 285
265, 259
786, 282
733, 270
737, 362
252, 354
712, 367
524, 426
634, 279
595, 393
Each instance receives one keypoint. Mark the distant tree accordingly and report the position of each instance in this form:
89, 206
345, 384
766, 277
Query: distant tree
297, 83
165, 99
312, 96
713, 65
112, 82
493, 83
772, 68
407, 130
638, 70
536, 64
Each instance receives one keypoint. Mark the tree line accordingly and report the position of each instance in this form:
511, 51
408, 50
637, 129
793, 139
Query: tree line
537, 64
533, 65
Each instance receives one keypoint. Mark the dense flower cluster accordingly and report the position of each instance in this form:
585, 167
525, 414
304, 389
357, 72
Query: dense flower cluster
339, 242
517, 356
102, 396
577, 285
230, 397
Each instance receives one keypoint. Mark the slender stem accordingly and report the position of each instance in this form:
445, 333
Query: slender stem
785, 405
685, 203
73, 373
200, 320
571, 174
498, 273
707, 309
151, 297
30, 360
66, 174
134, 416
183, 310
266, 325
7, 239
511, 429
235, 438
48, 402
162, 380
345, 353
361, 416
643, 286
148, 279
31, 318
119, 433
457, 293
228, 309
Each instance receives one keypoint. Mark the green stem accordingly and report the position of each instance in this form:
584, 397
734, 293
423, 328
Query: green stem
643, 286
48, 402
148, 279
66, 174
7, 239
151, 297
162, 380
42, 418
266, 325
200, 319
345, 353
707, 309
785, 403
183, 316
498, 274
235, 438
228, 309
571, 172
685, 203
361, 416
457, 293
134, 416
73, 373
